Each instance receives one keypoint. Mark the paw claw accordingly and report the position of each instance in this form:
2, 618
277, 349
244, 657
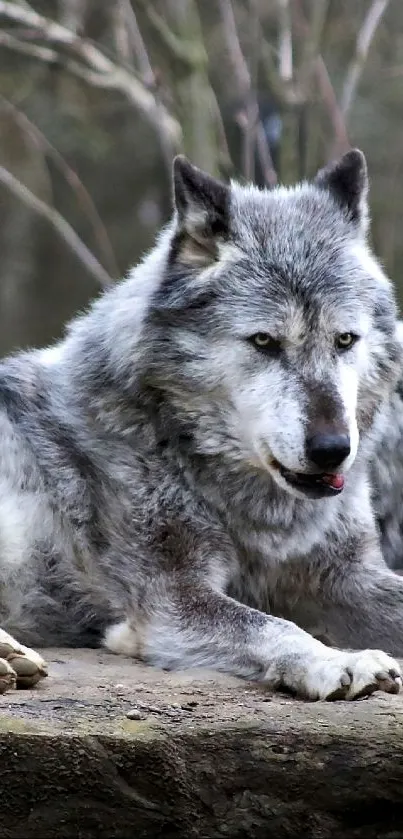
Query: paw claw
367, 690
351, 675
339, 693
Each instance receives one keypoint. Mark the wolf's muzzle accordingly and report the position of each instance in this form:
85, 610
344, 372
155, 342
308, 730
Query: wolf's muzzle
328, 451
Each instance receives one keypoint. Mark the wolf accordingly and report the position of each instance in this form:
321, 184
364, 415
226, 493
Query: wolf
208, 469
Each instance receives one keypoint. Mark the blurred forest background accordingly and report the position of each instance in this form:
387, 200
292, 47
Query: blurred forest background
96, 96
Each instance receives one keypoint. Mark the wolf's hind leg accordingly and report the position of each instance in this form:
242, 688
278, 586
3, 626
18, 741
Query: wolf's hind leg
20, 666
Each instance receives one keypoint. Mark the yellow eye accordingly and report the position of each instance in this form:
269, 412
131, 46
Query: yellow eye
346, 340
264, 341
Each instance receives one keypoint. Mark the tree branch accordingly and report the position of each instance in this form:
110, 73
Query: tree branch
59, 225
45, 54
139, 47
285, 62
96, 69
341, 140
72, 179
251, 125
140, 53
174, 47
363, 43
121, 32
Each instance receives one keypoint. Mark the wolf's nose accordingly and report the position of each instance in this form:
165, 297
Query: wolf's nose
327, 451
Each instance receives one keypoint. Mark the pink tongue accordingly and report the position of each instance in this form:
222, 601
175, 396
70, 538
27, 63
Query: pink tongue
335, 481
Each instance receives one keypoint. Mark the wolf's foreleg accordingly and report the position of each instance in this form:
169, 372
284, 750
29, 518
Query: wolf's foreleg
191, 625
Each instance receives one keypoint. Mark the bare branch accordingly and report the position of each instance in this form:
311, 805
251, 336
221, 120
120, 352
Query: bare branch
287, 92
139, 50
329, 99
265, 157
311, 46
342, 142
51, 56
138, 45
59, 225
225, 157
187, 53
252, 109
96, 69
235, 54
44, 54
249, 120
121, 32
285, 60
72, 179
363, 43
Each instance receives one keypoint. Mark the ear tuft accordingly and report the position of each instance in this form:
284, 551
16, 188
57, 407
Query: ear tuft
347, 181
202, 206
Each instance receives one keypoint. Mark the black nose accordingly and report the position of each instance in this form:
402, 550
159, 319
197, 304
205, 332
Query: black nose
328, 450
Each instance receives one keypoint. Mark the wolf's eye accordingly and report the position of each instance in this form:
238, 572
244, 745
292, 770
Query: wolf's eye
264, 341
346, 340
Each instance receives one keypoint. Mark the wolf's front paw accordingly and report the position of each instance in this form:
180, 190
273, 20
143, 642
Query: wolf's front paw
350, 675
19, 666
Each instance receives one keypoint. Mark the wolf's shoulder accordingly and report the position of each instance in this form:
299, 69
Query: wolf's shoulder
25, 384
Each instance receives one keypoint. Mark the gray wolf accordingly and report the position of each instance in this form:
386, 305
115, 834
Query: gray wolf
208, 469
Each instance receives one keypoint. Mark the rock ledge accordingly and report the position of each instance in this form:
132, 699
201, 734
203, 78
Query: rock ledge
203, 756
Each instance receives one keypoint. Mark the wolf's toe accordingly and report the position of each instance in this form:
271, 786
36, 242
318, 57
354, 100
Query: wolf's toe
373, 670
8, 677
390, 681
343, 687
26, 665
28, 672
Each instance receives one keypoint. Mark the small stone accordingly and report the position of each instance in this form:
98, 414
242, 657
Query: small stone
189, 706
134, 714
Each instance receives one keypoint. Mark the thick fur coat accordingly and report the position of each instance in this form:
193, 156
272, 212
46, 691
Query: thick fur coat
207, 470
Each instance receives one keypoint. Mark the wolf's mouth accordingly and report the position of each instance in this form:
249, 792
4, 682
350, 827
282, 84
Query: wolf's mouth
320, 485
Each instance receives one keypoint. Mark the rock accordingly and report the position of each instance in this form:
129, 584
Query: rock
209, 757
134, 714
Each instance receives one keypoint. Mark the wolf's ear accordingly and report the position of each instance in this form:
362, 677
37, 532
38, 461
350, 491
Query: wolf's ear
202, 207
347, 181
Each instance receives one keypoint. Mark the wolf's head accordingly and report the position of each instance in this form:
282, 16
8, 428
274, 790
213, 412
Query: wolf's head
273, 329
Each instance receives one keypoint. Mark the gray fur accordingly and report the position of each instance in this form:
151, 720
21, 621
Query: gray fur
139, 490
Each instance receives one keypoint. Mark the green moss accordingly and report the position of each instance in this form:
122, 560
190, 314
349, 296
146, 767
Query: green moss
15, 725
